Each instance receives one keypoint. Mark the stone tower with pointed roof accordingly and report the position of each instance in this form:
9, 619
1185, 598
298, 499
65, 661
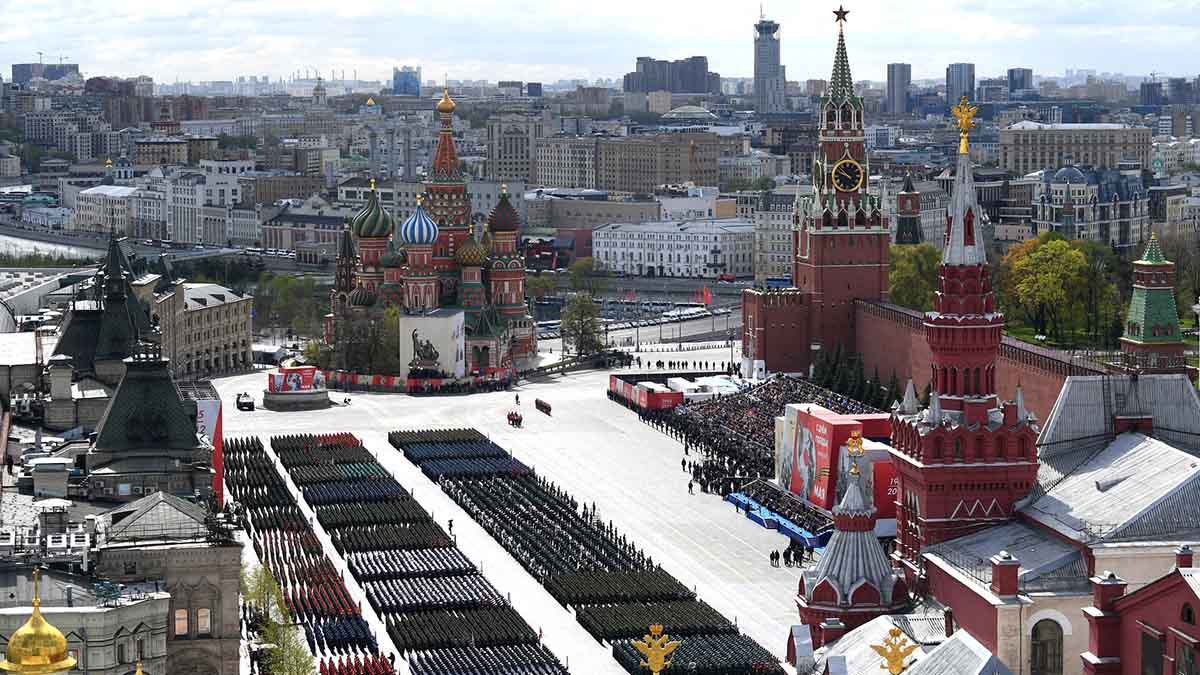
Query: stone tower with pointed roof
1152, 341
853, 582
447, 203
840, 238
963, 462
908, 214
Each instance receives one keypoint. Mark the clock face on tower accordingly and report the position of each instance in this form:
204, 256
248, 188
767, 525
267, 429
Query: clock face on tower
847, 175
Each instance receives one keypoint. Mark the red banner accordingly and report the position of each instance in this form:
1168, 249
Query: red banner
887, 487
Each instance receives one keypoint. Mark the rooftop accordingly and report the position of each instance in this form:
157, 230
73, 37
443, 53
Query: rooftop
1028, 125
109, 191
203, 296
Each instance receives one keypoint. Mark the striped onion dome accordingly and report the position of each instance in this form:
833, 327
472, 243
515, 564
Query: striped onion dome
373, 220
471, 253
419, 229
362, 296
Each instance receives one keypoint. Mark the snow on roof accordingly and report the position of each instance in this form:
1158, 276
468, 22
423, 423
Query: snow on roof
1029, 125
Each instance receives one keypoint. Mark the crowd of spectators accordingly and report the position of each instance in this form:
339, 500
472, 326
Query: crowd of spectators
733, 436
788, 505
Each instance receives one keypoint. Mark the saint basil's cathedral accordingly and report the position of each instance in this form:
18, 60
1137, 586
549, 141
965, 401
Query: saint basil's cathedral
434, 261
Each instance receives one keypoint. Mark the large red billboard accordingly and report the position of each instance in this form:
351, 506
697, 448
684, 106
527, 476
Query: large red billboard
811, 459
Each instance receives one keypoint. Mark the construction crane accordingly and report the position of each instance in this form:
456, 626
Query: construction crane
62, 59
39, 58
1154, 76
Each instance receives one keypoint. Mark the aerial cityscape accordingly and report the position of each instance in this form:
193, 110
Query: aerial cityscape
643, 339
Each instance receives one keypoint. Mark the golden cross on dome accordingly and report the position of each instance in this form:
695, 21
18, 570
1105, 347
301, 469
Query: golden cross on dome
372, 185
965, 113
420, 199
895, 650
656, 647
854, 448
840, 14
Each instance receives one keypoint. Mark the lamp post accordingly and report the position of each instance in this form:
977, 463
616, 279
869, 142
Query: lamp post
1196, 309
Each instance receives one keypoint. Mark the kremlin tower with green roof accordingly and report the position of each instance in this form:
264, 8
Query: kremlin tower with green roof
1152, 341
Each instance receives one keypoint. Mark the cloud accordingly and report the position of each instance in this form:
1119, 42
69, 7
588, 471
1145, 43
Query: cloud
527, 40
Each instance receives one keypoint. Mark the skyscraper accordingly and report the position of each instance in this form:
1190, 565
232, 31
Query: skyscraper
960, 81
769, 79
406, 81
899, 78
1019, 78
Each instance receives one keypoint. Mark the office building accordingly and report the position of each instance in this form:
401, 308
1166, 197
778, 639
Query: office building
533, 89
685, 76
1151, 94
1031, 146
992, 90
769, 77
1019, 79
24, 73
639, 164
512, 141
406, 81
106, 209
960, 81
695, 249
899, 79
567, 162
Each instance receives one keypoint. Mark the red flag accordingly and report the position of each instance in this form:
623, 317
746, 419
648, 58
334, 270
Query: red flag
707, 296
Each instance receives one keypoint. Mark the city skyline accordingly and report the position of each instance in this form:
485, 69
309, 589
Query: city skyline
222, 40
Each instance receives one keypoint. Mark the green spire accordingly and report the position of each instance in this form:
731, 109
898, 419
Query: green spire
841, 85
1153, 254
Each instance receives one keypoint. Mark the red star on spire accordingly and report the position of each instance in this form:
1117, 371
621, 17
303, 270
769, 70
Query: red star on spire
840, 14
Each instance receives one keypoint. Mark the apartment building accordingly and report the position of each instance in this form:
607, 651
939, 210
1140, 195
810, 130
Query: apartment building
512, 145
106, 209
567, 162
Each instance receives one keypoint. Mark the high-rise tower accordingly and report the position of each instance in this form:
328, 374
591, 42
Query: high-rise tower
899, 79
841, 238
963, 462
769, 78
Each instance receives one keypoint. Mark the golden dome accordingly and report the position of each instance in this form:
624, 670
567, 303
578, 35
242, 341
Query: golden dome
446, 105
37, 648
370, 101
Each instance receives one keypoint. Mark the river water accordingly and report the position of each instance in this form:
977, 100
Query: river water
17, 246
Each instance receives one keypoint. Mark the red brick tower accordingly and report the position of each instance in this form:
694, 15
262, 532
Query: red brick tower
506, 276
841, 239
447, 203
964, 461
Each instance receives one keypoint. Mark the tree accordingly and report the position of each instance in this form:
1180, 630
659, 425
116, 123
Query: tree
1097, 296
541, 286
586, 277
580, 327
1044, 282
913, 276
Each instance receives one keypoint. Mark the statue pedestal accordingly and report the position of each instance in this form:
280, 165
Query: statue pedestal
285, 401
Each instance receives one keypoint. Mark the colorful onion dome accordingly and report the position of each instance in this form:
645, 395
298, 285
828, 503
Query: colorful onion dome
446, 105
471, 253
504, 217
419, 229
362, 296
373, 221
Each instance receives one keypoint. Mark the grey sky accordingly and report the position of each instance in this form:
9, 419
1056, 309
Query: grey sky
546, 41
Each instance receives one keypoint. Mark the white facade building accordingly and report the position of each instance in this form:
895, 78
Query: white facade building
699, 249
106, 209
49, 217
